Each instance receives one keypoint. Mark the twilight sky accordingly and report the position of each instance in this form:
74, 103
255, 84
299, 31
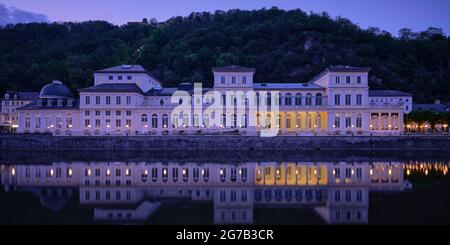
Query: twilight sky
390, 15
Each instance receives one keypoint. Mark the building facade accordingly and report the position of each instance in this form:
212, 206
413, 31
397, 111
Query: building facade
128, 100
12, 100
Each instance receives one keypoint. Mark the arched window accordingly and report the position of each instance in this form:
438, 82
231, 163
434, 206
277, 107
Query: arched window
319, 99
206, 120
144, 119
358, 121
278, 120
224, 120
196, 121
268, 121
288, 121
165, 121
175, 119
308, 100
298, 99
288, 100
154, 121
244, 121
234, 121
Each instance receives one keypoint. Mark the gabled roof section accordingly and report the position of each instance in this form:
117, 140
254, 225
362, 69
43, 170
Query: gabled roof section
124, 68
113, 88
22, 95
233, 68
340, 68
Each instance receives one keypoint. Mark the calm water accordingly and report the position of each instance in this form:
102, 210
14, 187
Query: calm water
336, 188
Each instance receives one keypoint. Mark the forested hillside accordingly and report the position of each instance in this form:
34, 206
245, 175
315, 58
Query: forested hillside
284, 46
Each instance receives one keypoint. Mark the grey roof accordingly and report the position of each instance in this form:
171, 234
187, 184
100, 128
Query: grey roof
304, 86
55, 90
445, 107
340, 68
346, 68
128, 69
22, 95
123, 69
33, 106
113, 87
170, 91
387, 93
233, 68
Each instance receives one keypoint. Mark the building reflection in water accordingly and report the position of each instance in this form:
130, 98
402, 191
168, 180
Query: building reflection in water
133, 191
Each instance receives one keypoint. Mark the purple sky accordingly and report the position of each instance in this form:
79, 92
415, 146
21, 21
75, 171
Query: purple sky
390, 15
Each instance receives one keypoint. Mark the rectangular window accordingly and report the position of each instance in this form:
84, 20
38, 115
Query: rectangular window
358, 80
87, 123
118, 123
128, 113
87, 113
338, 80
337, 99
359, 195
118, 113
222, 80
118, 100
88, 100
108, 113
348, 79
128, 77
348, 99
108, 100
128, 123
119, 78
97, 113
348, 122
244, 80
359, 122
337, 122
128, 100
359, 99
233, 80
348, 195
97, 123
110, 78
337, 196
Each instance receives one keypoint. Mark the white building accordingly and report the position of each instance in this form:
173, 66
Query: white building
133, 191
11, 101
128, 100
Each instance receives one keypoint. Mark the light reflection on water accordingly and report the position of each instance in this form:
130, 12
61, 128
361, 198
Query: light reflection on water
133, 192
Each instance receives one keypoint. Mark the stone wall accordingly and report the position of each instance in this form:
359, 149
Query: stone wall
223, 143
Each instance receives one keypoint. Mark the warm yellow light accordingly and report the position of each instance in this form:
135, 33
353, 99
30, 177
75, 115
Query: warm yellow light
203, 172
13, 171
408, 172
390, 172
296, 171
89, 126
70, 172
70, 125
184, 171
353, 172
334, 172
108, 172
52, 172
89, 172
108, 126
315, 171
426, 171
240, 172
371, 125
221, 171
127, 172
165, 172
371, 172
146, 172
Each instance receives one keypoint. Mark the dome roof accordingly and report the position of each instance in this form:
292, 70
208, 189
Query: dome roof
56, 89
